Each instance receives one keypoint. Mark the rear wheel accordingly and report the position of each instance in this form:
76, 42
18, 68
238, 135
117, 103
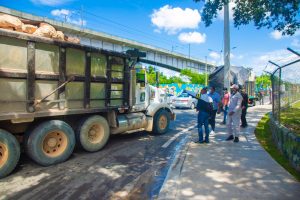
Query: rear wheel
50, 142
93, 133
161, 122
9, 153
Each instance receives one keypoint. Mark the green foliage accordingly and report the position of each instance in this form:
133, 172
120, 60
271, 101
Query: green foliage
290, 118
151, 77
264, 136
276, 14
264, 80
195, 78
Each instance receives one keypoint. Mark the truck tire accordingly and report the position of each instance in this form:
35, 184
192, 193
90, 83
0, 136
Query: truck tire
50, 142
161, 122
92, 133
9, 153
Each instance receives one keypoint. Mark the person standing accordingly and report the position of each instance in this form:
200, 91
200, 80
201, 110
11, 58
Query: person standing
204, 108
216, 101
225, 102
261, 97
270, 94
234, 115
244, 108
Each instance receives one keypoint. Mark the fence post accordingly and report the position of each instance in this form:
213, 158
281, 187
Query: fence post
272, 82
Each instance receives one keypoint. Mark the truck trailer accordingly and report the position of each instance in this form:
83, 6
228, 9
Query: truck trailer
238, 75
57, 94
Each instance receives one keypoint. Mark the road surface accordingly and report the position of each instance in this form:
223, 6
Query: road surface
129, 167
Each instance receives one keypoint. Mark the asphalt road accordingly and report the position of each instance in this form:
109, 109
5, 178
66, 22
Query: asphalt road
129, 167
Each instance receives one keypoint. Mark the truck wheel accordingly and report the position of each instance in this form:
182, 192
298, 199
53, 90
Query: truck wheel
9, 153
192, 106
50, 142
161, 122
92, 133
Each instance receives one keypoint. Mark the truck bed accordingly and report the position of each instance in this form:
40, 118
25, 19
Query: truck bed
31, 68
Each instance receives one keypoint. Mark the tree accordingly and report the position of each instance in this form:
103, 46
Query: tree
281, 15
263, 80
195, 78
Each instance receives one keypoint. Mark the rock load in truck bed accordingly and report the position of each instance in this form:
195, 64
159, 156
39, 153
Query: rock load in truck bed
35, 28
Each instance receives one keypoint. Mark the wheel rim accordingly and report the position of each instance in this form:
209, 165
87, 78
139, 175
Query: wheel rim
3, 154
193, 106
95, 133
55, 143
162, 123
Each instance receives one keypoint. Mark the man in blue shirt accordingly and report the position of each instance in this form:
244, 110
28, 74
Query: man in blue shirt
216, 102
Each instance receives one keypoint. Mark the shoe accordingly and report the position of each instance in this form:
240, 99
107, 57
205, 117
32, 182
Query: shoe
236, 139
212, 132
198, 142
230, 137
206, 141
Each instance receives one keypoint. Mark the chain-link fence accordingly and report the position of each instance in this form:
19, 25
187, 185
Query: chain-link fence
285, 83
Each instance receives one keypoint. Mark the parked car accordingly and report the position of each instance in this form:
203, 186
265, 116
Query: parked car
185, 100
170, 99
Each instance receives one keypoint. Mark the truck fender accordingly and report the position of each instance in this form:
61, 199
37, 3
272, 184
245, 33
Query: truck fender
154, 107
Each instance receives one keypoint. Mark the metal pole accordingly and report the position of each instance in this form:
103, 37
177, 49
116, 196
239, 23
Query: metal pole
279, 96
226, 46
206, 71
293, 51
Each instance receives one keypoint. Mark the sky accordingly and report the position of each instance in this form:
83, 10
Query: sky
173, 25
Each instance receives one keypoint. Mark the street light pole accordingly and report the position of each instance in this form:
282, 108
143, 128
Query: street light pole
226, 45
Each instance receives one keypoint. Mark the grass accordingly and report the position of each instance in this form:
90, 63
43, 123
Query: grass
264, 136
290, 118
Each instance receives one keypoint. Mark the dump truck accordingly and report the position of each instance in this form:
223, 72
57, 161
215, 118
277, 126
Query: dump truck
238, 75
57, 94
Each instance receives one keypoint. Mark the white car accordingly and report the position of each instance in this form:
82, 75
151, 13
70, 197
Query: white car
185, 100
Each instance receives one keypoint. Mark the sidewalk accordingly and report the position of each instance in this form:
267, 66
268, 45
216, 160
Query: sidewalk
227, 170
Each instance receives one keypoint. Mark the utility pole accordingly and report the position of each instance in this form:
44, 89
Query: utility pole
206, 71
226, 46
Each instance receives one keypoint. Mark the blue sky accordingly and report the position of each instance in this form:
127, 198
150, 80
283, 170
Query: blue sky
166, 24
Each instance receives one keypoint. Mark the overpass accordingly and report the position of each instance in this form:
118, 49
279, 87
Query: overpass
154, 56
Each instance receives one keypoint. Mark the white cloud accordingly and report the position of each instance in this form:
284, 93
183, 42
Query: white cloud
295, 43
277, 35
214, 55
51, 2
192, 37
173, 20
64, 14
61, 13
280, 57
221, 12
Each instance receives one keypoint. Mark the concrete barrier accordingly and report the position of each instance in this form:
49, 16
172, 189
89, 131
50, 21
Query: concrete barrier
287, 142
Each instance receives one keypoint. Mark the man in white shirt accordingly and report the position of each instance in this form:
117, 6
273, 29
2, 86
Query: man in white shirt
235, 112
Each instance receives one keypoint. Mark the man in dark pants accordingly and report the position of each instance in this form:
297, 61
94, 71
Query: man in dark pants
244, 108
204, 108
216, 101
